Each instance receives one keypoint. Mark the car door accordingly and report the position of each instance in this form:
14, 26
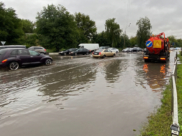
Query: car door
106, 52
24, 56
80, 51
35, 57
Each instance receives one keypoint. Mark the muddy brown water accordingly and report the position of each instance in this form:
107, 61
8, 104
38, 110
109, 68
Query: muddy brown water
82, 96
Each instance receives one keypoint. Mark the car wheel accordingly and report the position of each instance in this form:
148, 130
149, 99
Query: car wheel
48, 62
14, 65
104, 56
113, 55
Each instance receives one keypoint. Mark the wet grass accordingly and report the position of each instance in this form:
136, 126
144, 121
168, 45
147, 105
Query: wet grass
179, 89
159, 122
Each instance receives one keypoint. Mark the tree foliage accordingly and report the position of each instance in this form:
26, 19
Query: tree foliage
86, 27
175, 42
10, 25
133, 41
113, 31
27, 26
144, 31
102, 39
57, 25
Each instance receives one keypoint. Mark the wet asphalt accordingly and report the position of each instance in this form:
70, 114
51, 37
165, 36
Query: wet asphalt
82, 96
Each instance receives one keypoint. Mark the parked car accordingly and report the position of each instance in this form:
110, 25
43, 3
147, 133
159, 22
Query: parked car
12, 46
129, 50
124, 50
66, 52
104, 47
102, 53
82, 51
114, 50
136, 49
15, 58
89, 46
38, 49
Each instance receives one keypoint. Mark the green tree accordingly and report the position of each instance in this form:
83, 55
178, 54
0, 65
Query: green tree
57, 25
123, 38
133, 41
86, 27
172, 40
27, 26
102, 39
10, 25
113, 31
143, 32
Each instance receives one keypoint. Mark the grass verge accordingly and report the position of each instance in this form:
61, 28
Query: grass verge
160, 121
179, 89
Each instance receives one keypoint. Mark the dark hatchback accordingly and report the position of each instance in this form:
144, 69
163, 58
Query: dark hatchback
82, 51
67, 52
15, 58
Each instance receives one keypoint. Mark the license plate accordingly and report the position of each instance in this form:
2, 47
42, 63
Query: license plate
95, 53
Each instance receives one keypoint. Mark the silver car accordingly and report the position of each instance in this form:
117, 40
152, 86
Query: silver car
38, 49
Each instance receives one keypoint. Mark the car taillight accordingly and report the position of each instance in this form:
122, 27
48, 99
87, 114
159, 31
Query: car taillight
92, 52
4, 61
99, 53
44, 49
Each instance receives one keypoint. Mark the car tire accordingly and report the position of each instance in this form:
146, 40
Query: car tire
48, 62
14, 65
113, 55
104, 56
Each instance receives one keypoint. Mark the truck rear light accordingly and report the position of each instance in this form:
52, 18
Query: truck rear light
99, 53
44, 49
162, 58
4, 61
145, 57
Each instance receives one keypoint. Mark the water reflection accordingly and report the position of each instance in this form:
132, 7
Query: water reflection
67, 83
112, 71
155, 74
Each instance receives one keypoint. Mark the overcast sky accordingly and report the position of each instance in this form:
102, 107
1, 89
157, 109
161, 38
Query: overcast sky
165, 15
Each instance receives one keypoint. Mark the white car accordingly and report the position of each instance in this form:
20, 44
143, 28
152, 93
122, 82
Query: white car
114, 50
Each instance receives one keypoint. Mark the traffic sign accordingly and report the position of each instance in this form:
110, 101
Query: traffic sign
149, 44
3, 42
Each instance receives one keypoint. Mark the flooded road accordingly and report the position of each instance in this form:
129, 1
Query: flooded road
82, 96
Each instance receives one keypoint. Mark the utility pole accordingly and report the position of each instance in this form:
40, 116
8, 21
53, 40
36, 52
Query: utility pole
125, 33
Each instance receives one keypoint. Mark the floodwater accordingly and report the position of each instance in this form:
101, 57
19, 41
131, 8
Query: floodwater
82, 96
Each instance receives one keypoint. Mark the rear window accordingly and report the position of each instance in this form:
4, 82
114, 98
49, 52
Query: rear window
23, 52
38, 48
2, 52
99, 50
14, 52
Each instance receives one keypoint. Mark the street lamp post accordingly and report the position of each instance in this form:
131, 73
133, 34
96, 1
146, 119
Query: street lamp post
125, 33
